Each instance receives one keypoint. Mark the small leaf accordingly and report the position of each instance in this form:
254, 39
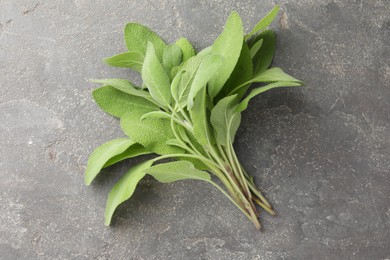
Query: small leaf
156, 115
132, 60
103, 154
176, 171
172, 57
124, 189
255, 48
244, 103
274, 74
210, 65
156, 78
151, 133
137, 37
133, 151
118, 103
263, 58
186, 47
228, 45
225, 119
264, 23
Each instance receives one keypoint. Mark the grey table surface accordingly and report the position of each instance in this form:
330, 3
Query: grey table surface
320, 153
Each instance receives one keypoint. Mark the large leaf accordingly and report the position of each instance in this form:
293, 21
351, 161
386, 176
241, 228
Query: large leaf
133, 151
124, 189
126, 86
176, 171
201, 128
172, 57
263, 58
186, 47
137, 37
151, 133
156, 78
131, 59
264, 23
118, 103
103, 154
228, 45
208, 68
225, 119
241, 73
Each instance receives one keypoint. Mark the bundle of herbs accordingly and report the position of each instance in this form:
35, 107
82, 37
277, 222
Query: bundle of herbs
187, 110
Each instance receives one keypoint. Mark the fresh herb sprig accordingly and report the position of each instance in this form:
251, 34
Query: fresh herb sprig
188, 109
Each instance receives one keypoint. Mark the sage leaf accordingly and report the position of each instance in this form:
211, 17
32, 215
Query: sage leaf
225, 119
264, 23
176, 171
228, 45
263, 58
244, 103
101, 155
151, 133
124, 189
118, 103
255, 48
272, 75
156, 78
198, 113
137, 37
133, 151
172, 57
186, 48
210, 65
132, 60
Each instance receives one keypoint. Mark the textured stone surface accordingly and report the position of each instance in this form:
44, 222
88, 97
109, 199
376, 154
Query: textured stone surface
320, 153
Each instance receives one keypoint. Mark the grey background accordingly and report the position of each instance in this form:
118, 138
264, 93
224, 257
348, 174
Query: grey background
320, 153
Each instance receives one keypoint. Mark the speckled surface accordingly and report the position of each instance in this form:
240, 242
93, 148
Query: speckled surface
321, 153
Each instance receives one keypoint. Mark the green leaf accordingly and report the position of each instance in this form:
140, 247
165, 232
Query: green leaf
124, 189
244, 103
228, 45
172, 57
156, 78
181, 84
118, 103
137, 37
103, 154
201, 128
186, 47
255, 48
151, 133
126, 86
132, 60
274, 74
263, 58
208, 68
241, 73
133, 151
176, 171
225, 119
264, 23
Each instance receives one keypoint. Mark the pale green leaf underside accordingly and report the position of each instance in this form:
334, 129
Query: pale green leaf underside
132, 60
272, 75
133, 151
118, 103
199, 119
101, 155
172, 57
124, 189
176, 171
